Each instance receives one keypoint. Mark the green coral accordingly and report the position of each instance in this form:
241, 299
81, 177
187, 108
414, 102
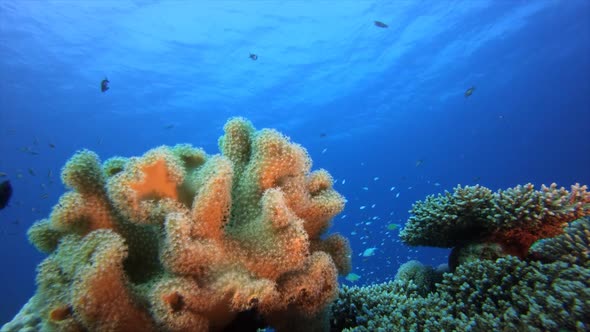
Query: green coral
83, 173
418, 277
473, 252
473, 214
571, 246
113, 166
43, 236
449, 219
506, 294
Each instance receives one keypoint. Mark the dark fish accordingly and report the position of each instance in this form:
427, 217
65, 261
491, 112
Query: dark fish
469, 91
32, 172
380, 24
104, 85
253, 56
419, 162
5, 193
51, 145
170, 126
323, 135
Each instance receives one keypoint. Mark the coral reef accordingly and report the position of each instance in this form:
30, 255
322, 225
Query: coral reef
506, 294
513, 218
572, 246
177, 240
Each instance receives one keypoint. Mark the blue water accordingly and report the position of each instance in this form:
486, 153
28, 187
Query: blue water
378, 108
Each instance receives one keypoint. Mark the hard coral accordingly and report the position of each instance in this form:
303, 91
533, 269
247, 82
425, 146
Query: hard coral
514, 218
177, 240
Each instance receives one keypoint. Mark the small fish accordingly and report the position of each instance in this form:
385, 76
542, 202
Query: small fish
343, 181
352, 277
51, 145
104, 85
32, 172
49, 173
419, 162
322, 134
397, 195
376, 178
169, 126
476, 178
436, 184
2, 174
469, 91
34, 153
253, 56
5, 193
44, 196
392, 189
392, 227
324, 150
362, 207
380, 24
369, 252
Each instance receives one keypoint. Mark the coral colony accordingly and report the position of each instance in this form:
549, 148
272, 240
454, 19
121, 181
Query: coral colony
177, 240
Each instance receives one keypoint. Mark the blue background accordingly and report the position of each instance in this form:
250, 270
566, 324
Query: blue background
384, 98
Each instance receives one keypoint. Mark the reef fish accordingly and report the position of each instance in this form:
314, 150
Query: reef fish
104, 85
469, 91
5, 193
253, 56
380, 24
352, 277
392, 227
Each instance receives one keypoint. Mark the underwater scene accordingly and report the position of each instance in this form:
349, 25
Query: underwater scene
294, 165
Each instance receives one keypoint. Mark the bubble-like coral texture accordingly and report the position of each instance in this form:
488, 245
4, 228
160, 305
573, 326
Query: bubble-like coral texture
514, 218
178, 240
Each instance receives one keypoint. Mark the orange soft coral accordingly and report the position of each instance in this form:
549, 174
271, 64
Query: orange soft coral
176, 240
155, 182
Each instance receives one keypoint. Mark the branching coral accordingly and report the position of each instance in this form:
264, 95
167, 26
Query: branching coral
506, 294
514, 218
488, 289
177, 240
572, 246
